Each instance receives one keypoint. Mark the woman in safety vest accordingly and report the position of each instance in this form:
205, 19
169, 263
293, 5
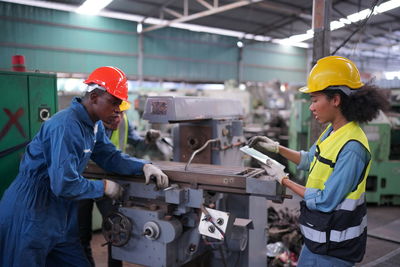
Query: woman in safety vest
333, 216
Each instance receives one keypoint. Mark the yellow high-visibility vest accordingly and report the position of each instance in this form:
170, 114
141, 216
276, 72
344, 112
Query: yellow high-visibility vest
327, 152
119, 137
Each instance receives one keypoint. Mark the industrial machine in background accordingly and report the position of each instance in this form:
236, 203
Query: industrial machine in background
215, 211
299, 131
383, 135
28, 99
383, 182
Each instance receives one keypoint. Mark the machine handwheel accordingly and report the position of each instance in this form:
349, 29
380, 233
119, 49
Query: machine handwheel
117, 229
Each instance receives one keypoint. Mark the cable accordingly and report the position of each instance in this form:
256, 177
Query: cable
362, 25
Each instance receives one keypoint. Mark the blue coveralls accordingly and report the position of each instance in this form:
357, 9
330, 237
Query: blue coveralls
38, 212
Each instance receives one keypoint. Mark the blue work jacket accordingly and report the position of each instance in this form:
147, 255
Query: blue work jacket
39, 209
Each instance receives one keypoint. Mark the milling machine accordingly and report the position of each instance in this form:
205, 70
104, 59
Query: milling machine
215, 211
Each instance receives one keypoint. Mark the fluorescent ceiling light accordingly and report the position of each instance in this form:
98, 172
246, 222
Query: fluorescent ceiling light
139, 28
288, 42
295, 40
391, 75
389, 5
92, 7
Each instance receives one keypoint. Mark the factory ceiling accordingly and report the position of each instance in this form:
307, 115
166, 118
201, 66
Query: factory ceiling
373, 42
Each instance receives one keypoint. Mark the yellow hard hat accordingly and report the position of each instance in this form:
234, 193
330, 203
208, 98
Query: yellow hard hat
332, 71
125, 105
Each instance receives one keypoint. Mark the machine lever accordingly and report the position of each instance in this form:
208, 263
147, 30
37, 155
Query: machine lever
173, 186
199, 150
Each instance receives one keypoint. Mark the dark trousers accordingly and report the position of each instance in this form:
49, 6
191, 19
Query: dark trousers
85, 226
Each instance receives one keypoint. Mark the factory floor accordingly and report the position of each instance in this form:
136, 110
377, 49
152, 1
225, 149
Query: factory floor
383, 224
100, 253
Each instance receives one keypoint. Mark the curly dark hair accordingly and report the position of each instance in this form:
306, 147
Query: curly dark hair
363, 105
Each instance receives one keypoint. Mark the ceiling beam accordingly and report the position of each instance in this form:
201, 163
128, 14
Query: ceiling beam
284, 9
212, 11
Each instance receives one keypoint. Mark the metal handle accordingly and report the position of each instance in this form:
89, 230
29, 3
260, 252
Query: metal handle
199, 150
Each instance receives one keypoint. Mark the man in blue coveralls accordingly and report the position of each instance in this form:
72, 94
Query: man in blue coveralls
38, 212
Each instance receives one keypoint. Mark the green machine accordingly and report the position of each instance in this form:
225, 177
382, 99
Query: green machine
27, 100
383, 182
299, 131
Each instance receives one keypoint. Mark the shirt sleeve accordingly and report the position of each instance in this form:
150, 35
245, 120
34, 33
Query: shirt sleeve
133, 137
107, 156
344, 179
306, 158
61, 150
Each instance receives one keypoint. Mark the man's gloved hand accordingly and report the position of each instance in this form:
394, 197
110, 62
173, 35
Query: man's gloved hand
151, 136
152, 171
112, 189
263, 144
275, 171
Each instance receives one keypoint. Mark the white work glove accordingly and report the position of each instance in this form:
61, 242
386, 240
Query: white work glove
152, 136
275, 171
112, 189
151, 171
263, 144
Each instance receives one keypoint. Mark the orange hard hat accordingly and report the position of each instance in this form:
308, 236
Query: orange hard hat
113, 80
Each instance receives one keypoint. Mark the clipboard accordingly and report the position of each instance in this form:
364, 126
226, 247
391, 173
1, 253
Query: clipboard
260, 156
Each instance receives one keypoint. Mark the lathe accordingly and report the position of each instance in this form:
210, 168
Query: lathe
210, 215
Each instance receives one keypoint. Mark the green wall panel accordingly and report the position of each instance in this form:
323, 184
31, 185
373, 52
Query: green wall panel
50, 36
59, 61
266, 61
184, 70
174, 53
66, 19
265, 74
61, 41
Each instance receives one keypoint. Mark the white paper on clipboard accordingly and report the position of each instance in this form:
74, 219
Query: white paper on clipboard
260, 156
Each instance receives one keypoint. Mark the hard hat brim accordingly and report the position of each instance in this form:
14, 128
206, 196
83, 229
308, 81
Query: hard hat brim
305, 90
125, 105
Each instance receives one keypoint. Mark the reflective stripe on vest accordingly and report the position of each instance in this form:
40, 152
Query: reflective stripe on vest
351, 204
335, 236
119, 137
349, 233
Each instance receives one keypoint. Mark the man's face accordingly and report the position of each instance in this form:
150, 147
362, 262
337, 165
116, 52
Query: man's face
114, 124
106, 107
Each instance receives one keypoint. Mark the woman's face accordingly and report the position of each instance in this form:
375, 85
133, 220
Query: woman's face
322, 108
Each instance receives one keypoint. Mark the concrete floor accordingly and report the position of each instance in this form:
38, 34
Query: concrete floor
100, 253
376, 248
